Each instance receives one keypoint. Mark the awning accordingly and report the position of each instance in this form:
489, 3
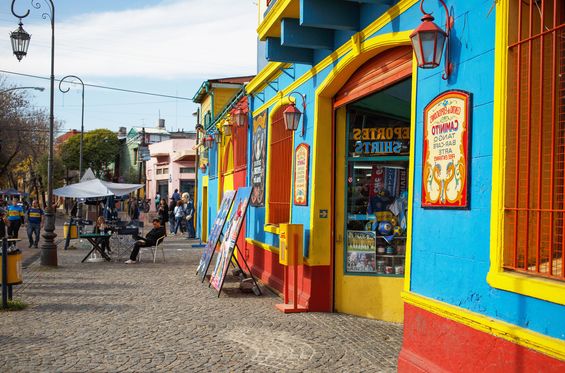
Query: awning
96, 188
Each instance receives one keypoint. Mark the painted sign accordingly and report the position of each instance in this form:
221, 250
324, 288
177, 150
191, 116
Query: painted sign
230, 238
361, 251
215, 232
258, 160
301, 165
446, 145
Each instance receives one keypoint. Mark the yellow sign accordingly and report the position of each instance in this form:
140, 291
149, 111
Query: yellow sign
291, 244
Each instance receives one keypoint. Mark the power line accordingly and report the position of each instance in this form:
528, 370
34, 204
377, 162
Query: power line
101, 86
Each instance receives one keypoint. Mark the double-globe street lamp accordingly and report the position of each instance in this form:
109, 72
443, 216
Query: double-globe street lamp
82, 116
20, 42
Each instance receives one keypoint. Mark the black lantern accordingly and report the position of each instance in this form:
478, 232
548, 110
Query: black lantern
20, 41
428, 41
239, 117
218, 136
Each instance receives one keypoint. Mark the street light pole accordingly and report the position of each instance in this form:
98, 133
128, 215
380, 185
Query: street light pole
48, 248
81, 120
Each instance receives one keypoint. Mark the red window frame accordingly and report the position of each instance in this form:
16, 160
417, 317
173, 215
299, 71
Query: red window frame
534, 212
280, 172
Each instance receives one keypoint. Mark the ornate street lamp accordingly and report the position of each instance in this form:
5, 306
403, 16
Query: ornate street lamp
428, 41
239, 117
208, 141
20, 41
218, 137
292, 115
81, 120
48, 248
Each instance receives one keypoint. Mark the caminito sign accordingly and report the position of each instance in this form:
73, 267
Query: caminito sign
446, 145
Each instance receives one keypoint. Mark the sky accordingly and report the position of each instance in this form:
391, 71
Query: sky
167, 47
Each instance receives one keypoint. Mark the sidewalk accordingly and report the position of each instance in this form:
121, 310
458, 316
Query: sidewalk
110, 317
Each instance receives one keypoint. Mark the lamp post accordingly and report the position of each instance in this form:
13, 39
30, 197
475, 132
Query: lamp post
81, 119
20, 42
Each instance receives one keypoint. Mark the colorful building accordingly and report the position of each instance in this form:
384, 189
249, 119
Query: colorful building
432, 197
172, 166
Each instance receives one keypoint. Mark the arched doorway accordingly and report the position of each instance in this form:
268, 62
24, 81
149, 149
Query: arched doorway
372, 141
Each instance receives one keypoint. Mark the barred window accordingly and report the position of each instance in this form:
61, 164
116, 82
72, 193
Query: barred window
534, 212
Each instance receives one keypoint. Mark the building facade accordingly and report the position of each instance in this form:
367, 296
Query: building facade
172, 166
432, 197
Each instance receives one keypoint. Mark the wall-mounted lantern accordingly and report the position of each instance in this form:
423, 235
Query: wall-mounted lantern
226, 127
291, 114
218, 137
239, 117
208, 141
428, 41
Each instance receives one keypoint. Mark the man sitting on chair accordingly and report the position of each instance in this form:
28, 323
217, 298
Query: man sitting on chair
149, 240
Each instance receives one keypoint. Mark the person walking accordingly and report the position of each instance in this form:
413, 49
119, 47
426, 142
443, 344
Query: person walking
172, 223
34, 223
150, 240
163, 213
15, 217
133, 210
179, 215
157, 200
189, 218
176, 196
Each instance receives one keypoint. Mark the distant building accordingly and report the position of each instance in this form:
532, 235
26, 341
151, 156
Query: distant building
172, 166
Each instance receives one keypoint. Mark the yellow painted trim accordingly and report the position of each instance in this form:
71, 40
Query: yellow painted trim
524, 337
281, 102
264, 246
269, 72
532, 286
273, 16
412, 167
271, 228
261, 79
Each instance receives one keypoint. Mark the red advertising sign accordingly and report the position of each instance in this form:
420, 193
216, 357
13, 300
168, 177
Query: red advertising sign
445, 171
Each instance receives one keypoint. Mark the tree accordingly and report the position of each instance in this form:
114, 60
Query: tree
100, 148
25, 135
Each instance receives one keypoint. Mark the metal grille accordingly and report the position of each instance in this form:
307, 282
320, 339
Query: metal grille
535, 137
280, 173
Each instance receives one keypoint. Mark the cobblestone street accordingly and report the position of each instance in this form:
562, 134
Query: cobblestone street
147, 317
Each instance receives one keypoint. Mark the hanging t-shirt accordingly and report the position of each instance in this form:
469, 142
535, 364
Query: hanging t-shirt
34, 215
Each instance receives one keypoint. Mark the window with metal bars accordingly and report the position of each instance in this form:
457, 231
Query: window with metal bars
280, 172
534, 207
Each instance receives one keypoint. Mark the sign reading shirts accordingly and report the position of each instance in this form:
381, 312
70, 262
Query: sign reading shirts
258, 160
215, 232
446, 145
230, 238
301, 159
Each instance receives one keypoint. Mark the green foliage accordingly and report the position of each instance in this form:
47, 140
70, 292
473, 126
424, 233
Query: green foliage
15, 305
100, 148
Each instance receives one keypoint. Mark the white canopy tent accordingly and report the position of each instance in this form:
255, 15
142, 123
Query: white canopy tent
96, 188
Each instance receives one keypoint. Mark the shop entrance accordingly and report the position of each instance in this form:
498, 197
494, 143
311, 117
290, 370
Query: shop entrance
373, 119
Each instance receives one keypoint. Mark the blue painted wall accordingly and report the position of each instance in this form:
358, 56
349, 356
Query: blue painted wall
451, 248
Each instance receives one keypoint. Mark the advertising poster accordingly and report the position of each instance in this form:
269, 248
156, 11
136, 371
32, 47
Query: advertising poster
215, 232
361, 251
258, 159
446, 145
301, 159
230, 238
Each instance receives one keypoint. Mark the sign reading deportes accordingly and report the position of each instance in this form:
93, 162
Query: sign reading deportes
446, 145
380, 141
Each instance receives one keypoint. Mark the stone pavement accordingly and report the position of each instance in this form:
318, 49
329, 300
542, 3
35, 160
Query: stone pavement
113, 317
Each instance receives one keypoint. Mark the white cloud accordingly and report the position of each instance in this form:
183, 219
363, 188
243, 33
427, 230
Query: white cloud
176, 39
